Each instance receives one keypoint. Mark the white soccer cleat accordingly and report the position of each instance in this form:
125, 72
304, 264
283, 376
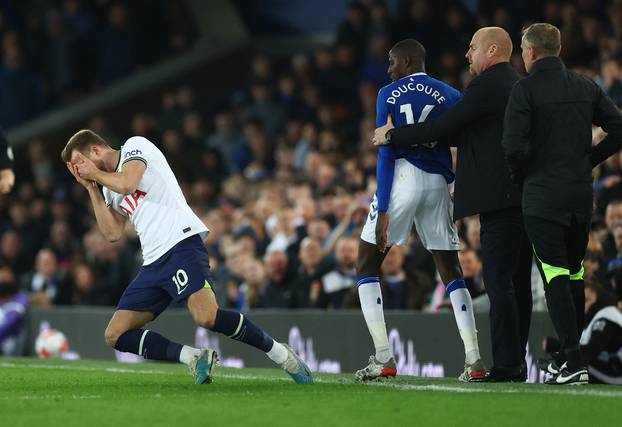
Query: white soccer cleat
296, 367
202, 366
473, 372
376, 370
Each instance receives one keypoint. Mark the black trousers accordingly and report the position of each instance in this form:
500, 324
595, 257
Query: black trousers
506, 259
559, 251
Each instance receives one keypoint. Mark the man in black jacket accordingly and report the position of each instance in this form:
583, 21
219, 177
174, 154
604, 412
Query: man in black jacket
483, 186
547, 140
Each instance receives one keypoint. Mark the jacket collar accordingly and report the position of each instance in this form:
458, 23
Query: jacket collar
547, 63
497, 66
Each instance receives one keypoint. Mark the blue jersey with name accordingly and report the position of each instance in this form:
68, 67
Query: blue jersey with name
412, 99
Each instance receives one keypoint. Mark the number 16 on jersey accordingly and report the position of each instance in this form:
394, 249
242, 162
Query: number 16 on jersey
407, 109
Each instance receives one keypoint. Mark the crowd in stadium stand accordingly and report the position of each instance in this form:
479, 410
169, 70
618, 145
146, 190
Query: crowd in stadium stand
283, 176
55, 52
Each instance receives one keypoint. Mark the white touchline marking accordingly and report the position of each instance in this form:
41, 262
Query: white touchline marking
553, 390
52, 396
133, 371
86, 368
457, 389
441, 388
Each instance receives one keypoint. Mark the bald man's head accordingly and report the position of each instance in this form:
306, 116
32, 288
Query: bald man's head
489, 46
499, 38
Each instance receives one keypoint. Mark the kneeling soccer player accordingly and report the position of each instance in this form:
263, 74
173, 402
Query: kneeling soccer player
139, 186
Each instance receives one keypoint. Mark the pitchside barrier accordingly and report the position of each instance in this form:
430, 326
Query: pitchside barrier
424, 344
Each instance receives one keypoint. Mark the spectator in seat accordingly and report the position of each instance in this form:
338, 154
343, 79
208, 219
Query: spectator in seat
278, 292
82, 288
395, 283
44, 283
21, 97
116, 46
339, 285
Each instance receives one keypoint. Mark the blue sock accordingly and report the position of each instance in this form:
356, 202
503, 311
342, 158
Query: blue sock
148, 344
235, 325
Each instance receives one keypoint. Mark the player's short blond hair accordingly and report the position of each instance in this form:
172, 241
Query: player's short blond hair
80, 141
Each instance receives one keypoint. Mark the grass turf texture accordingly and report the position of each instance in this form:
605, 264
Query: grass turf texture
92, 393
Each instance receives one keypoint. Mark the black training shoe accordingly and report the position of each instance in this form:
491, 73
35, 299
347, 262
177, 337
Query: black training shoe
570, 377
549, 366
504, 375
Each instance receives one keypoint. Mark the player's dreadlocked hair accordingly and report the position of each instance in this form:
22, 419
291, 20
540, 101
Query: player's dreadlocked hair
80, 141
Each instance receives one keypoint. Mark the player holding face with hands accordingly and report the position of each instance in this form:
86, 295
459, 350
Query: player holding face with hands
140, 187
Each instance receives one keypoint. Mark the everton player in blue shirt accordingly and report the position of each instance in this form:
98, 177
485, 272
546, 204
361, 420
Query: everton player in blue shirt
413, 188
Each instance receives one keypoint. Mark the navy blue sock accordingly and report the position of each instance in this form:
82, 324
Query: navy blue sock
148, 344
235, 325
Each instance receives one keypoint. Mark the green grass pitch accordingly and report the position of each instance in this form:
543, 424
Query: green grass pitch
89, 393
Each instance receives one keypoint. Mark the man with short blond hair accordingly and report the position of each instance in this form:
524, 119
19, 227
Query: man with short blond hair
544, 38
80, 141
547, 141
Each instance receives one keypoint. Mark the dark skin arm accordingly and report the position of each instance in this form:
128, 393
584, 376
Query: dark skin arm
382, 225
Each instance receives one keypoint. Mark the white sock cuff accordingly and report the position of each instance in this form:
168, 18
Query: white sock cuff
187, 354
278, 353
455, 285
361, 280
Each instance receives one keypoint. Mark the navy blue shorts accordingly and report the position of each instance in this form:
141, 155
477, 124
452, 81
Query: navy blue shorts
172, 278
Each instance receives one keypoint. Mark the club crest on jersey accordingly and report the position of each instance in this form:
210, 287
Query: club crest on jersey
130, 202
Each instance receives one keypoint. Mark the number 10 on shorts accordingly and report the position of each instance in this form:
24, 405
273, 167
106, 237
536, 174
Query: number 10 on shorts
181, 281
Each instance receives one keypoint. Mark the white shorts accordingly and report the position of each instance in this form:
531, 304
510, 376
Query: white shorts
420, 198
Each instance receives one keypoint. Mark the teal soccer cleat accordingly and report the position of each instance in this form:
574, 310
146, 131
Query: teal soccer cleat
296, 367
203, 366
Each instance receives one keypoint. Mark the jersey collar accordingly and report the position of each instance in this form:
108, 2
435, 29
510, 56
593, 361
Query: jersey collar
119, 161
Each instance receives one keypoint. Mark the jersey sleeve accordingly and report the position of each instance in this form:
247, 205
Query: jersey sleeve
385, 170
385, 166
137, 148
382, 111
107, 197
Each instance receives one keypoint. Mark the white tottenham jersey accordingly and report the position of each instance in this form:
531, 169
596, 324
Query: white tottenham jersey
157, 209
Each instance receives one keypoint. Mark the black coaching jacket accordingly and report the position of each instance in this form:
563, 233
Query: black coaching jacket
475, 125
548, 139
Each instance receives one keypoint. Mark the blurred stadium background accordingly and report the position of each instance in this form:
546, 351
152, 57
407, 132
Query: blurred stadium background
265, 111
